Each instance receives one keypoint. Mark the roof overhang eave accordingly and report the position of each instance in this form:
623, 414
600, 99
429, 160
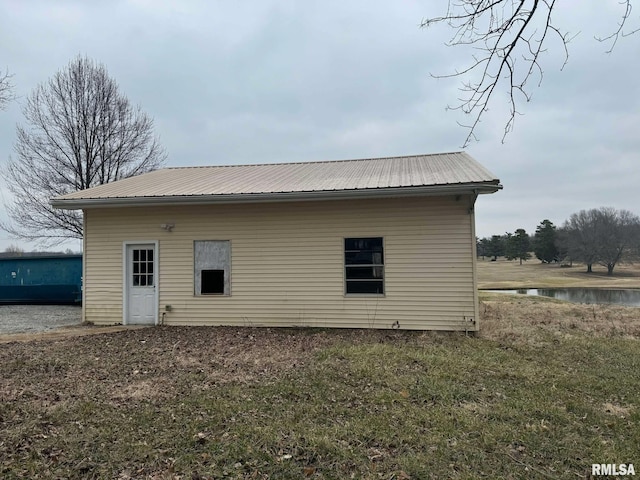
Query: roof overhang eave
434, 190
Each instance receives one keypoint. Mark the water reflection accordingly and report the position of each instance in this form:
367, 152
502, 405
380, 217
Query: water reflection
583, 295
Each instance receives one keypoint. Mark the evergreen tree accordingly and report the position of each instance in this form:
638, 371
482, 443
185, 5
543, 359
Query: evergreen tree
518, 245
482, 247
544, 245
495, 247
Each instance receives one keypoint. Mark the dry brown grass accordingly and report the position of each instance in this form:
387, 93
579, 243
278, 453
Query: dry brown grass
533, 274
533, 320
524, 319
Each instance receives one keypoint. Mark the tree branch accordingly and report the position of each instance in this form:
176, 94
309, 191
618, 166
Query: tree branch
619, 31
6, 89
508, 38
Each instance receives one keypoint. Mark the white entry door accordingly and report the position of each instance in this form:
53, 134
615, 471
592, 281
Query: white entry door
140, 282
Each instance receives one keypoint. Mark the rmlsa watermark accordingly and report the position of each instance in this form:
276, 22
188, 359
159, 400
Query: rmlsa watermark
613, 469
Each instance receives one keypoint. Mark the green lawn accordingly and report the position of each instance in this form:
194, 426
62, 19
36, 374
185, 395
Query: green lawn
195, 403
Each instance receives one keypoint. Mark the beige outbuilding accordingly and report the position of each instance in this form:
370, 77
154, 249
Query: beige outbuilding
372, 243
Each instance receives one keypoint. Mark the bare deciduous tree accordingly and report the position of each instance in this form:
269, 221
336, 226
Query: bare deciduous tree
81, 132
604, 235
6, 89
508, 37
582, 237
617, 235
14, 251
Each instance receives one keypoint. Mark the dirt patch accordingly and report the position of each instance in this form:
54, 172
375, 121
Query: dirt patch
617, 410
125, 364
136, 391
62, 333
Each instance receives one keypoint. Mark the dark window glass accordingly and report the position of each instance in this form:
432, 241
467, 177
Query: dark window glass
358, 257
374, 243
364, 265
363, 251
212, 282
361, 286
355, 273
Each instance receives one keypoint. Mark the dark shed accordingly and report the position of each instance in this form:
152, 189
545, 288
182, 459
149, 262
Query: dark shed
41, 279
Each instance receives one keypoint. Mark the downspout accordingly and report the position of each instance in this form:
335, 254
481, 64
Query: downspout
83, 280
475, 323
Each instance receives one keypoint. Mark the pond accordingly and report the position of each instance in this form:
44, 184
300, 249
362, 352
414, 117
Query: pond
583, 295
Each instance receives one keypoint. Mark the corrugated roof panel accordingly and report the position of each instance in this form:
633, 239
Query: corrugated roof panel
345, 175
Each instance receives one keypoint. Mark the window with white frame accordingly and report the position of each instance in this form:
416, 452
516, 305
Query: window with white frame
364, 265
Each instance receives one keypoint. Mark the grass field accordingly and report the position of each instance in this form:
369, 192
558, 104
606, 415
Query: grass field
533, 274
544, 391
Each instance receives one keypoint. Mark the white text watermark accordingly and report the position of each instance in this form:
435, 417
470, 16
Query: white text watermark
612, 469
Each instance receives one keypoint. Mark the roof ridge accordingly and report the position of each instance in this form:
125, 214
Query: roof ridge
315, 161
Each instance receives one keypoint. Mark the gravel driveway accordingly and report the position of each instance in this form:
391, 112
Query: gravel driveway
37, 318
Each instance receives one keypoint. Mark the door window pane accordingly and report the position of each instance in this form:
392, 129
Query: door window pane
142, 268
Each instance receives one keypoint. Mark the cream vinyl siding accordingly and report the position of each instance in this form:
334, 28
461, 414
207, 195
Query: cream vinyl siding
287, 262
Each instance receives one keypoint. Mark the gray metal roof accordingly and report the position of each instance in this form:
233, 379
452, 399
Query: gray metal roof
393, 175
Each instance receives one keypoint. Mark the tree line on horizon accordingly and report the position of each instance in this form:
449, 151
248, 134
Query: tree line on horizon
15, 251
603, 236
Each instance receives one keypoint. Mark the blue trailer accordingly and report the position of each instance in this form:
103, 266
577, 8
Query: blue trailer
44, 279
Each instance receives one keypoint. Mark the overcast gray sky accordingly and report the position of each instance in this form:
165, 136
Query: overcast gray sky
279, 81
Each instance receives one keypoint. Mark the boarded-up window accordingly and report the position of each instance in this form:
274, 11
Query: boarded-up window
212, 265
364, 265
